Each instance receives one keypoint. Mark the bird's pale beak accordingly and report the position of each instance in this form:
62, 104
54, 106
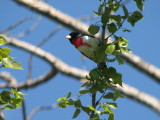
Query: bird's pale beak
68, 37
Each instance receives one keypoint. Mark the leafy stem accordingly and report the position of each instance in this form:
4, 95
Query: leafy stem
115, 31
93, 104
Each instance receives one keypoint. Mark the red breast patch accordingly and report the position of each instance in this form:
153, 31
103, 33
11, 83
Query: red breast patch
79, 42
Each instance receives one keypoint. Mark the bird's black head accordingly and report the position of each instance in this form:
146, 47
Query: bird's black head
72, 36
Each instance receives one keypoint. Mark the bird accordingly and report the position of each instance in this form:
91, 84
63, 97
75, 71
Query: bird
86, 44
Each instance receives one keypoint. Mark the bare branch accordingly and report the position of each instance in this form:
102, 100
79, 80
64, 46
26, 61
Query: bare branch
79, 74
15, 25
143, 66
141, 97
78, 26
40, 108
51, 34
30, 29
33, 83
58, 28
54, 14
8, 78
56, 63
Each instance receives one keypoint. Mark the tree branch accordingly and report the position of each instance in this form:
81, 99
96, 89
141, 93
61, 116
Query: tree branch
141, 97
32, 83
40, 108
15, 25
54, 14
8, 78
143, 66
75, 25
65, 69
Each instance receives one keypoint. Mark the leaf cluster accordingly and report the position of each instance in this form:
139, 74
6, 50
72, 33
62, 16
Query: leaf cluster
5, 59
11, 99
100, 80
106, 108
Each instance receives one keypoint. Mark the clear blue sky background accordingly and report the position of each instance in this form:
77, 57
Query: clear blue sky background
144, 41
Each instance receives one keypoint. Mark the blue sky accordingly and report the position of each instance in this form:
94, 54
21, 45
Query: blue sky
143, 41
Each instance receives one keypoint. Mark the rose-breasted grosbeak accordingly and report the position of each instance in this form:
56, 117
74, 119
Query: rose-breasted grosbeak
87, 45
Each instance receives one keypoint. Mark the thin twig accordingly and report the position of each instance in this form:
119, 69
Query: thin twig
15, 25
30, 29
8, 78
115, 31
101, 97
93, 105
24, 110
40, 108
49, 36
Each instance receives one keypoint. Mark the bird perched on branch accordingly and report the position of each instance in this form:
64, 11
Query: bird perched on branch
86, 44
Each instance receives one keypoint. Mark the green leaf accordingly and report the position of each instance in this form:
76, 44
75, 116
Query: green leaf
120, 61
68, 94
116, 18
76, 113
86, 109
97, 13
77, 104
100, 54
105, 16
62, 99
122, 42
107, 109
111, 72
113, 96
83, 91
109, 96
112, 28
110, 60
118, 94
6, 50
5, 96
70, 102
112, 105
93, 29
94, 89
12, 64
16, 102
111, 117
17, 94
17, 65
85, 84
139, 4
8, 107
136, 16
2, 102
3, 53
126, 30
94, 74
93, 109
3, 41
62, 104
110, 49
100, 12
117, 79
125, 10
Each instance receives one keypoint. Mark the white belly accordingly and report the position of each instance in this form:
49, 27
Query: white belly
87, 51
